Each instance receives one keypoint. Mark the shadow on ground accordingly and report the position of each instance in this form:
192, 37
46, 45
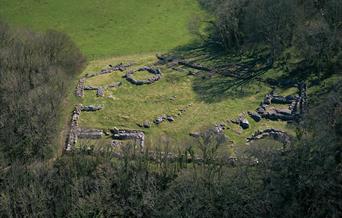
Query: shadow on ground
218, 88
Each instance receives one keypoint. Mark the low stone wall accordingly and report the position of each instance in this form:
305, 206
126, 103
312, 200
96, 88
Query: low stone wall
90, 108
74, 130
125, 134
156, 72
80, 88
91, 88
113, 85
100, 91
165, 59
163, 118
278, 135
303, 98
297, 105
265, 103
90, 133
110, 69
255, 116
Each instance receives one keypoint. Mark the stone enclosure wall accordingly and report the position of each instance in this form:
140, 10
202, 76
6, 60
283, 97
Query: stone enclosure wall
100, 90
297, 105
156, 72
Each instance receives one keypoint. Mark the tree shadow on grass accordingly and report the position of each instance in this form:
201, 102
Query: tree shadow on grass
212, 88
218, 88
201, 53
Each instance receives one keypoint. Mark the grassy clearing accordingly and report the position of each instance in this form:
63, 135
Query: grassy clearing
108, 27
129, 105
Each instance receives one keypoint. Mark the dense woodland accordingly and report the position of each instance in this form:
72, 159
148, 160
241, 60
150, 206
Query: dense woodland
35, 72
301, 180
310, 28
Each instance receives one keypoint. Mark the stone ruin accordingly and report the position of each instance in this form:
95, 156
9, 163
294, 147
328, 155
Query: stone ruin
255, 116
183, 110
300, 105
90, 88
156, 72
100, 91
80, 88
90, 133
146, 124
160, 119
74, 130
163, 118
110, 69
278, 135
232, 70
217, 129
297, 106
114, 85
242, 121
165, 59
125, 134
93, 88
90, 108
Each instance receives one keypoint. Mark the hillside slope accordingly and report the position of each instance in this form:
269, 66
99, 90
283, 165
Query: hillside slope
108, 27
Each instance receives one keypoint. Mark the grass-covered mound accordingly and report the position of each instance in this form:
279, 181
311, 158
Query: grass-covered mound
108, 27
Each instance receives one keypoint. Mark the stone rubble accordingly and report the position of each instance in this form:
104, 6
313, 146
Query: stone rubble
165, 59
124, 134
297, 106
278, 135
282, 100
80, 88
90, 88
242, 121
74, 130
114, 85
90, 108
170, 118
255, 116
110, 69
159, 119
195, 134
146, 124
100, 92
116, 143
216, 129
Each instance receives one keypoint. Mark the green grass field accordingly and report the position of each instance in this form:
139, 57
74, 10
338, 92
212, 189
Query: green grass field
104, 28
